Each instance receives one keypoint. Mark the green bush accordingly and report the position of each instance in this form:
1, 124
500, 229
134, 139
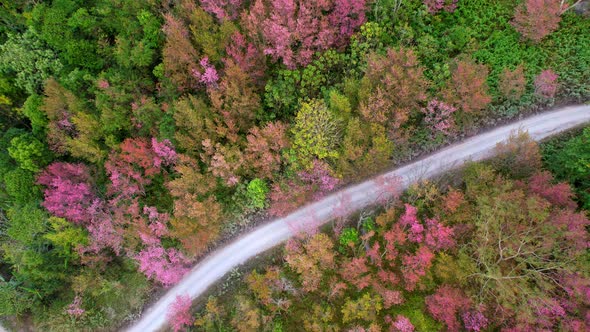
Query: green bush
256, 193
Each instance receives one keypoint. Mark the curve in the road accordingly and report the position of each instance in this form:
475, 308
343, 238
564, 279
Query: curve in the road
216, 265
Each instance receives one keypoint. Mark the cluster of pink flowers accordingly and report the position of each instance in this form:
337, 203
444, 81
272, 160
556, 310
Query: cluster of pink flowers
209, 76
75, 308
435, 6
546, 83
439, 116
68, 191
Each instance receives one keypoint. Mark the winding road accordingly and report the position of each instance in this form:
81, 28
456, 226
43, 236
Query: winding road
217, 264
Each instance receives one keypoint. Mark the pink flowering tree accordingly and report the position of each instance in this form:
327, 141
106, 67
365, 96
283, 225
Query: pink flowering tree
410, 220
402, 324
439, 117
546, 83
319, 178
208, 74
293, 30
438, 236
166, 266
222, 9
416, 266
179, 313
446, 304
535, 19
247, 56
435, 6
474, 320
68, 192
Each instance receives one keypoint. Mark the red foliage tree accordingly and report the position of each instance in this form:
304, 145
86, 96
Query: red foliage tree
535, 19
415, 266
68, 192
399, 87
356, 272
446, 304
438, 236
264, 147
559, 194
139, 160
467, 88
179, 313
512, 83
546, 83
293, 30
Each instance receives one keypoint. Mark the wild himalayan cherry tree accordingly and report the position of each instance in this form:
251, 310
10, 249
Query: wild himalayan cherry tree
467, 88
439, 117
399, 85
247, 56
68, 192
139, 160
512, 83
435, 6
546, 83
535, 19
179, 313
263, 150
223, 9
293, 30
445, 305
402, 324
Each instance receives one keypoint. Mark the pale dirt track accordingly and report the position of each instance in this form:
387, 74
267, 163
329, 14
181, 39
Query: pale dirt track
217, 264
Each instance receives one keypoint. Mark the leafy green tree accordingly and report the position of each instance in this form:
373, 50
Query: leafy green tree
32, 110
29, 152
316, 132
257, 191
31, 62
20, 186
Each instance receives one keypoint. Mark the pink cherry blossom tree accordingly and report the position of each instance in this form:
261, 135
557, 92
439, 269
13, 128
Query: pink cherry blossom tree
546, 83
179, 314
68, 192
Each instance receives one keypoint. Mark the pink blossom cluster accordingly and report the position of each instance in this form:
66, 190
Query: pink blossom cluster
320, 178
167, 266
209, 76
474, 320
179, 314
546, 83
293, 30
75, 308
165, 153
435, 6
68, 191
439, 116
402, 324
222, 9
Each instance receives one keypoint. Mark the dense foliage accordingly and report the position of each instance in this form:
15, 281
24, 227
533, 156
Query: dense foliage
501, 251
136, 135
